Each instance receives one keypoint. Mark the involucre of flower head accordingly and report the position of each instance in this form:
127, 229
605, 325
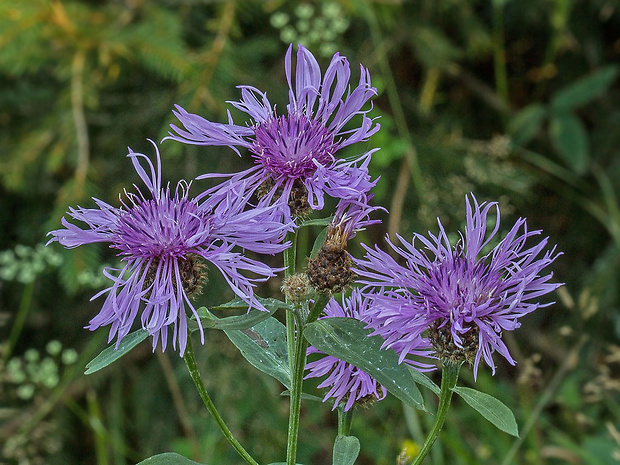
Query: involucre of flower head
295, 153
346, 382
464, 295
164, 238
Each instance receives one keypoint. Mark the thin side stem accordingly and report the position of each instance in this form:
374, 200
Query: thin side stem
20, 319
179, 404
101, 434
296, 345
190, 361
449, 377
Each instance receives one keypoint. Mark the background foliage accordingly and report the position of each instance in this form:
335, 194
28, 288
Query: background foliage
514, 100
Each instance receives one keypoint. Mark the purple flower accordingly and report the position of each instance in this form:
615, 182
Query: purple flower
352, 216
464, 295
294, 154
346, 382
163, 237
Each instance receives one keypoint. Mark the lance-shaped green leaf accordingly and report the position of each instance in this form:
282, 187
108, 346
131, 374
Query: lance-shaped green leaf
169, 458
264, 346
490, 408
524, 125
424, 380
570, 139
318, 243
237, 303
112, 354
317, 222
584, 90
245, 321
304, 396
346, 450
349, 340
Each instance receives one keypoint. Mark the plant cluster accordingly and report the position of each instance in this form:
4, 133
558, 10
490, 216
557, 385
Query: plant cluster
514, 100
446, 301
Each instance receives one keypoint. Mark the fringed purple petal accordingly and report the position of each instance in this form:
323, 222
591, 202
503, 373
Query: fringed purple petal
159, 235
300, 145
455, 287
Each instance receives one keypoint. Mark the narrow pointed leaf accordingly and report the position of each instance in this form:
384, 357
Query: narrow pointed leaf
490, 408
317, 222
169, 458
423, 380
570, 138
346, 450
349, 340
111, 354
264, 346
524, 125
269, 303
245, 321
304, 396
318, 243
584, 90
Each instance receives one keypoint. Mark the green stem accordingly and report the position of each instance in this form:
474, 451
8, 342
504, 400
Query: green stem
299, 365
449, 376
290, 254
20, 319
344, 421
190, 361
290, 258
297, 346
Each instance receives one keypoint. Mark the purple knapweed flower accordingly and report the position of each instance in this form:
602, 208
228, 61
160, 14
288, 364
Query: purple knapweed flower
164, 237
295, 153
464, 295
345, 381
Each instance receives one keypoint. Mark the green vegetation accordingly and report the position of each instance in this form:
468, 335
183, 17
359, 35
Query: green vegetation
514, 100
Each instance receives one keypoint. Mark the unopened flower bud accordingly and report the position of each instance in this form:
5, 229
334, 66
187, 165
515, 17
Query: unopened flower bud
296, 286
330, 271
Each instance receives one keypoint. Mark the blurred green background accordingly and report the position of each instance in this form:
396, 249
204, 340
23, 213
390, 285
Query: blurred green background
514, 100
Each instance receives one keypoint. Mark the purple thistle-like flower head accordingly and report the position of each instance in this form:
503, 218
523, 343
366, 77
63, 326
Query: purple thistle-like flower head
295, 154
464, 295
164, 237
345, 381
